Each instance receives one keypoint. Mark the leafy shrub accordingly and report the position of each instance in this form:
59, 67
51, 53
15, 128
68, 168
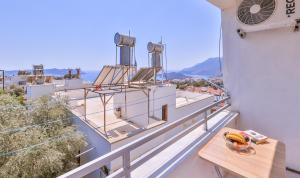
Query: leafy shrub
37, 139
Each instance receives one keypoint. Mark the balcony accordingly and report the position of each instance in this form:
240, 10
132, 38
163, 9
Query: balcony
174, 158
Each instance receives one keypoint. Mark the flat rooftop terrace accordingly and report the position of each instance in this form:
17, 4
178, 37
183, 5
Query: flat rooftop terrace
116, 128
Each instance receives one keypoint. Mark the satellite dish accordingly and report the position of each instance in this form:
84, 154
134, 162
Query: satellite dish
252, 12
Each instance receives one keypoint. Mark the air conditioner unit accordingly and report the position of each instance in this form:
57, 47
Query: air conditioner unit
259, 15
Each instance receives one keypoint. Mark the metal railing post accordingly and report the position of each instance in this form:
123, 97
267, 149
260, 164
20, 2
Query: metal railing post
126, 164
3, 79
85, 96
205, 121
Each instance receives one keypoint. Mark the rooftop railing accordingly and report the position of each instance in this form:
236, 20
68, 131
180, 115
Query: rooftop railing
125, 150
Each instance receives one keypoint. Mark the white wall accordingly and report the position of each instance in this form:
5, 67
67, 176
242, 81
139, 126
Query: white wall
137, 103
136, 106
73, 83
94, 139
68, 84
160, 96
60, 84
262, 74
188, 94
36, 91
192, 107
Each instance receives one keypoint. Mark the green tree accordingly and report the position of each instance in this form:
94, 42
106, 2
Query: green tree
37, 139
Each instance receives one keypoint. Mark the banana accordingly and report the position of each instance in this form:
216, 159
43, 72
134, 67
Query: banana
236, 137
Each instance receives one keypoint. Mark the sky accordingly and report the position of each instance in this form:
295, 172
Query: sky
80, 33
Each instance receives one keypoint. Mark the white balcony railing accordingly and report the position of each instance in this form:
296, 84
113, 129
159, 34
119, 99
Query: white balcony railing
125, 150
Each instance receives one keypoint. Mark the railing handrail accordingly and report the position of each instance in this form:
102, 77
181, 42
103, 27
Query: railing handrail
125, 150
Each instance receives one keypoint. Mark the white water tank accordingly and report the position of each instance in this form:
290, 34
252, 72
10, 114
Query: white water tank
155, 47
123, 40
156, 51
126, 45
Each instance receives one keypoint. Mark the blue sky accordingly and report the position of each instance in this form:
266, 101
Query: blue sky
79, 33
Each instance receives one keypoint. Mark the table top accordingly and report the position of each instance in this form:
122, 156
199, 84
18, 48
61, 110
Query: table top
263, 161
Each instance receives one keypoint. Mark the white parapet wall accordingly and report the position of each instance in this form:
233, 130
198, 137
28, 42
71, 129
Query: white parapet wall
60, 84
194, 102
73, 84
68, 84
36, 91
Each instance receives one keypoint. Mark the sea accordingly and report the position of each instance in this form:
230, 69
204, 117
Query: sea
88, 76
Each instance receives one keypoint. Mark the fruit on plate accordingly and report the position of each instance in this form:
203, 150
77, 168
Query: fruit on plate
237, 141
236, 137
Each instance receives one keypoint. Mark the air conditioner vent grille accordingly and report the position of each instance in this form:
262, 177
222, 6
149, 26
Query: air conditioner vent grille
252, 12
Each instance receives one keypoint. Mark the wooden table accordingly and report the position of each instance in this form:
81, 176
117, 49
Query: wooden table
263, 161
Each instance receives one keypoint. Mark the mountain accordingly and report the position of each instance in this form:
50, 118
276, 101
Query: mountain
209, 67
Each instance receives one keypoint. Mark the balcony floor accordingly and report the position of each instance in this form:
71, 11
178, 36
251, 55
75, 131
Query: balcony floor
156, 166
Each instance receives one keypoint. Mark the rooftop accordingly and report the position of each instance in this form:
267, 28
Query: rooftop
117, 129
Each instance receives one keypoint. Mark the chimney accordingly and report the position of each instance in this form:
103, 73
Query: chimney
70, 73
78, 73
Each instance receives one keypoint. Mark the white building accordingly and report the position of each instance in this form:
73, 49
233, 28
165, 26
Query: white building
261, 61
34, 91
38, 84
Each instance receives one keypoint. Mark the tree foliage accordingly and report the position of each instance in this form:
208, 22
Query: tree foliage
16, 91
37, 139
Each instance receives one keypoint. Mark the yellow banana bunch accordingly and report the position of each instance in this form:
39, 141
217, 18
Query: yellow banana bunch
239, 138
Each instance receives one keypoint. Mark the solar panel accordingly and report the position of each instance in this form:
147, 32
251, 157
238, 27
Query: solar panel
140, 74
144, 74
111, 75
151, 74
